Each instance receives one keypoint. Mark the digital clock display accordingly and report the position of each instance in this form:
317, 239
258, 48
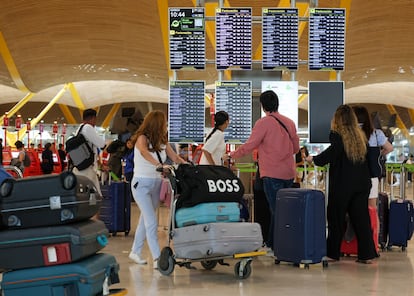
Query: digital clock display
187, 38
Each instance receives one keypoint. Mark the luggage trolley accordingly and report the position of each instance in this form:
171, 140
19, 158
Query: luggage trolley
168, 259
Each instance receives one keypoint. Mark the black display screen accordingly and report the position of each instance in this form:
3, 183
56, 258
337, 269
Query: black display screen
186, 111
324, 98
234, 39
280, 38
326, 39
235, 97
187, 38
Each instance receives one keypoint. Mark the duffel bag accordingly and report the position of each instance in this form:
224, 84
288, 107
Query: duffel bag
207, 183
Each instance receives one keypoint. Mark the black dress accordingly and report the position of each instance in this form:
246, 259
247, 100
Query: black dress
349, 187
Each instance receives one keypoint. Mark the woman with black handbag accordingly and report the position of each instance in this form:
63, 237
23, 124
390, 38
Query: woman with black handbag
378, 146
349, 184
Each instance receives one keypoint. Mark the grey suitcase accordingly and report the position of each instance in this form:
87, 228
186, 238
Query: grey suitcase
216, 239
47, 200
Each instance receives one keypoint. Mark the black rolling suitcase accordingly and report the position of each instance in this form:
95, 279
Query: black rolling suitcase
116, 207
51, 245
383, 213
262, 212
47, 200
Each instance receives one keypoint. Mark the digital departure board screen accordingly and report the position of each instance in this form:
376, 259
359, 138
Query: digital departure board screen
233, 38
280, 27
187, 38
326, 39
186, 112
235, 97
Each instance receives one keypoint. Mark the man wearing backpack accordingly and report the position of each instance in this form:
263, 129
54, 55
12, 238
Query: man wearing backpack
87, 129
23, 159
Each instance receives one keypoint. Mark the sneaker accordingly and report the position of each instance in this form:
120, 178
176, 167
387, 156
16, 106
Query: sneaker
155, 266
134, 257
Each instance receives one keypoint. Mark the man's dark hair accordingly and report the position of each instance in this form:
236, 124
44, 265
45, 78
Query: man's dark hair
88, 114
19, 144
269, 101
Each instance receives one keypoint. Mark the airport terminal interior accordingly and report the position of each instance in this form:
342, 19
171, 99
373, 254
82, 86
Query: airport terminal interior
125, 59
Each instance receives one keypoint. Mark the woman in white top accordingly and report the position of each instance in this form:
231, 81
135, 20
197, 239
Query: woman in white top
376, 137
151, 149
214, 146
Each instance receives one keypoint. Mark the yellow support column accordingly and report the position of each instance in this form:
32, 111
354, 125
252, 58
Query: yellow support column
18, 106
111, 114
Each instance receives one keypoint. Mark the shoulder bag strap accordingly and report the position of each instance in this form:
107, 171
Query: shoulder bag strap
80, 129
159, 157
282, 124
376, 137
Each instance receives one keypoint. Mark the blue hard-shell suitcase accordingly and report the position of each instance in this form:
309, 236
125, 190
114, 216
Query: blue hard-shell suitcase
115, 211
401, 223
300, 226
207, 213
91, 276
51, 245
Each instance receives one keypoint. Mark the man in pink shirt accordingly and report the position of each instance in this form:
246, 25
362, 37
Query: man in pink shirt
277, 142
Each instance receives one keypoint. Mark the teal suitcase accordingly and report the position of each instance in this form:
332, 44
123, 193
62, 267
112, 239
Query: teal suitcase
208, 213
91, 276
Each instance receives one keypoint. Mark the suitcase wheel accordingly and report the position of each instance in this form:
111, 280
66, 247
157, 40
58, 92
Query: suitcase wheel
209, 264
242, 269
166, 261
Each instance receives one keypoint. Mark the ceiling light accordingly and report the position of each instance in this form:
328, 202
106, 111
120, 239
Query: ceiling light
120, 70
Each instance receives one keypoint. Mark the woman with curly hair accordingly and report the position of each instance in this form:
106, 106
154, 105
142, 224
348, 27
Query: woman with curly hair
151, 149
349, 184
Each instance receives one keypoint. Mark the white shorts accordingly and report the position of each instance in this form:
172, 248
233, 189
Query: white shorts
374, 189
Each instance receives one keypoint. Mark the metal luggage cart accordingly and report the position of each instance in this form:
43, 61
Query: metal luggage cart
14, 171
168, 259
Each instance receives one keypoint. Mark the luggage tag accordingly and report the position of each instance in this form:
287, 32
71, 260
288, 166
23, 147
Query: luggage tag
92, 199
92, 196
55, 203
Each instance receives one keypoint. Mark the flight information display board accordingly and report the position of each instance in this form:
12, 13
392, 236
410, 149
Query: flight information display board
235, 97
326, 39
187, 38
233, 38
186, 112
280, 37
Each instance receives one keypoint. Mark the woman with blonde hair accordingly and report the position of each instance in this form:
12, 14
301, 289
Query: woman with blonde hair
349, 184
151, 149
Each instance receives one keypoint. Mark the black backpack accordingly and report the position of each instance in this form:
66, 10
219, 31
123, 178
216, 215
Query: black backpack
26, 160
79, 151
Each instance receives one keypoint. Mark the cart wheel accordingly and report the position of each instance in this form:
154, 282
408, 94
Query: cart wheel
113, 233
403, 248
325, 263
126, 233
209, 264
166, 261
306, 266
277, 261
242, 274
